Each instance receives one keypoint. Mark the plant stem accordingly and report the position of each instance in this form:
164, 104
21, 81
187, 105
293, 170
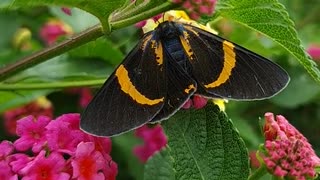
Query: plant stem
50, 52
261, 171
52, 85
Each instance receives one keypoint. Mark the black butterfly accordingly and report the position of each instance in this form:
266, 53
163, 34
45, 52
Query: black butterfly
169, 65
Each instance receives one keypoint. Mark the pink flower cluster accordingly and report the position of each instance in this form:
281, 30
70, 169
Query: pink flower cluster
196, 8
154, 140
55, 149
196, 102
288, 152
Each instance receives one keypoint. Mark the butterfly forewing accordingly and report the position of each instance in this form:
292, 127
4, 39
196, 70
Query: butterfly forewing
132, 95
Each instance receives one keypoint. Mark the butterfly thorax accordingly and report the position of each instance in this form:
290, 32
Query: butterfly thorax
169, 34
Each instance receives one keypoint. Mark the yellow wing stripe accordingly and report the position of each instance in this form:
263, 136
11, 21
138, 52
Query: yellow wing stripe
157, 46
128, 88
228, 65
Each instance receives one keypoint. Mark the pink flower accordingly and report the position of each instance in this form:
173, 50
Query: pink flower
188, 104
88, 163
6, 172
199, 102
6, 148
288, 152
32, 133
63, 134
196, 102
102, 144
39, 107
196, 8
45, 167
19, 161
154, 140
111, 169
314, 51
52, 30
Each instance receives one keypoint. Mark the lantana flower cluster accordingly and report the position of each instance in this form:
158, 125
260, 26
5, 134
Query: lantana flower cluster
196, 8
288, 152
55, 149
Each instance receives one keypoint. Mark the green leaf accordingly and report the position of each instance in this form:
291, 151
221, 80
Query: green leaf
102, 48
99, 8
270, 18
204, 144
160, 167
62, 68
11, 99
301, 90
122, 153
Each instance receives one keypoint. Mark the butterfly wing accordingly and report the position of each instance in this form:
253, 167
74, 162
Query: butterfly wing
132, 95
226, 70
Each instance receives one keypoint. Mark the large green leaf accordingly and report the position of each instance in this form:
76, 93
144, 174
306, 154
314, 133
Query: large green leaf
160, 167
270, 18
203, 144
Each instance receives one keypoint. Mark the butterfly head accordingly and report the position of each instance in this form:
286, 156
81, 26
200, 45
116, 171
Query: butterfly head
168, 30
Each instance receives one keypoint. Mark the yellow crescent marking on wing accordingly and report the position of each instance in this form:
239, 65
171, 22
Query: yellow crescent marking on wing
228, 65
128, 88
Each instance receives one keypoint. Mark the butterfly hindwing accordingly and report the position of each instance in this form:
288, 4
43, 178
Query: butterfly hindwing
132, 95
227, 70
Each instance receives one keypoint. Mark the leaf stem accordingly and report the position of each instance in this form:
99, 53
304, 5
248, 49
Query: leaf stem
261, 171
51, 85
